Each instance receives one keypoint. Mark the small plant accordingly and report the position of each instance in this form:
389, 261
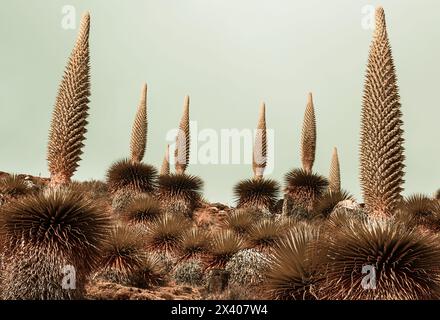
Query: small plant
69, 117
294, 269
166, 233
264, 234
241, 221
257, 193
303, 189
190, 272
420, 210
404, 262
131, 176
142, 210
125, 260
225, 244
13, 187
44, 233
247, 267
179, 193
123, 254
328, 202
195, 244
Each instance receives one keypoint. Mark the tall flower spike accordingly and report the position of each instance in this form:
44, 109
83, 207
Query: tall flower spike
308, 137
181, 153
334, 177
165, 169
381, 147
138, 140
259, 155
69, 117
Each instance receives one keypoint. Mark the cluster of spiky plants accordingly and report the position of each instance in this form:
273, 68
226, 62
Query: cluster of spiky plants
142, 210
402, 264
124, 260
420, 211
294, 272
303, 189
12, 187
328, 202
69, 118
179, 193
189, 272
256, 193
247, 267
241, 221
224, 245
165, 234
46, 233
131, 176
381, 147
195, 244
264, 234
123, 254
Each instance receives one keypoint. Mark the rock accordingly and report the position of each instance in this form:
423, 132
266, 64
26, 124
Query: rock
219, 206
218, 280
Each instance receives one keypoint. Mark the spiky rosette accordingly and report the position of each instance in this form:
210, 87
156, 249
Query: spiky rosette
138, 140
13, 187
381, 147
334, 177
46, 233
259, 155
265, 233
195, 244
398, 263
302, 190
165, 234
125, 260
124, 252
181, 153
328, 202
256, 193
142, 210
241, 221
179, 193
225, 244
420, 210
308, 136
69, 117
294, 269
132, 176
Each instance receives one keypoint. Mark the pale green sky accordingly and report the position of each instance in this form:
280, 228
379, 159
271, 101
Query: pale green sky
228, 55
